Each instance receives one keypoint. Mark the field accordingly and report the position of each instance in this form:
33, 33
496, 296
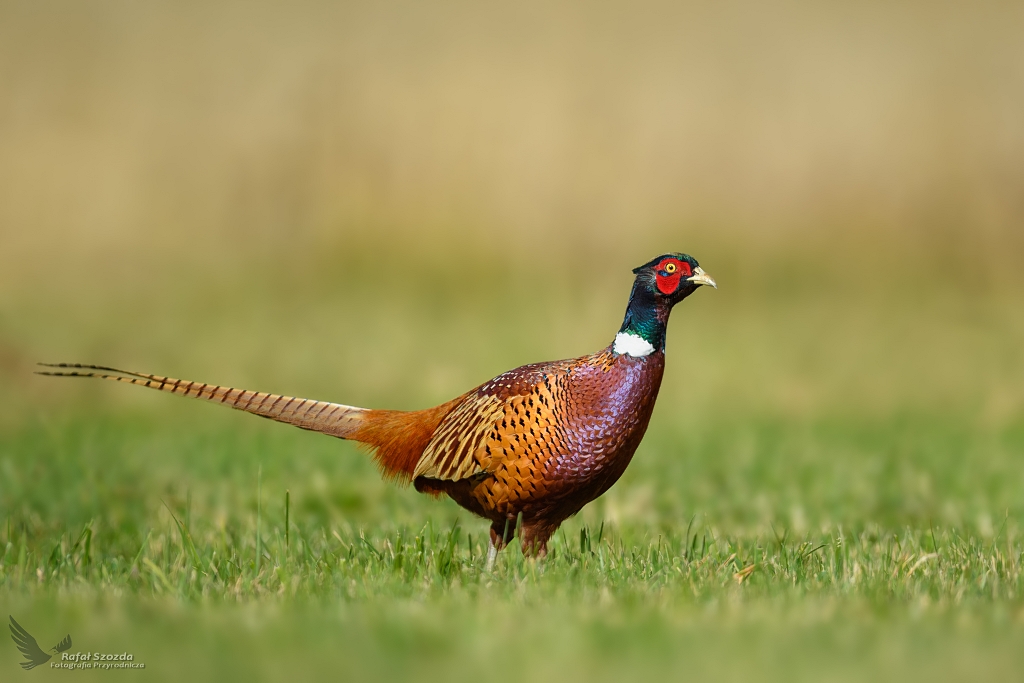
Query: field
385, 208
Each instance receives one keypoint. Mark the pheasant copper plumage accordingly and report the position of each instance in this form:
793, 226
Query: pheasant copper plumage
540, 441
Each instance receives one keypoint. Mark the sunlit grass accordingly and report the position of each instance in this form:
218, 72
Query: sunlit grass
831, 484
170, 524
385, 204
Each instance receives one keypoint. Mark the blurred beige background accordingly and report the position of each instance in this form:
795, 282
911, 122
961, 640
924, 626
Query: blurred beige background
180, 128
177, 179
388, 203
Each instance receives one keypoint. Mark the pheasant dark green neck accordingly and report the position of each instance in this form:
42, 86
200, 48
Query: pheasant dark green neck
645, 317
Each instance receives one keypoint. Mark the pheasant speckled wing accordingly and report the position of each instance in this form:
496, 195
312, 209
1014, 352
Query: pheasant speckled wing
512, 416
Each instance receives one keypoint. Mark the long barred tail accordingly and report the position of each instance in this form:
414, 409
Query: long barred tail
319, 416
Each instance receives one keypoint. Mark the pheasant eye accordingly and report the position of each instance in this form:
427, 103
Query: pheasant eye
670, 267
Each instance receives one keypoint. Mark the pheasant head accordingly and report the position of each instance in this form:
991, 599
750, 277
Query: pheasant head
660, 284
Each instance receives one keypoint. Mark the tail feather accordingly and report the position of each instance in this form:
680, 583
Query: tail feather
334, 419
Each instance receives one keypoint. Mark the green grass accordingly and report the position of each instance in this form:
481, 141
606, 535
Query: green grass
385, 204
826, 492
711, 568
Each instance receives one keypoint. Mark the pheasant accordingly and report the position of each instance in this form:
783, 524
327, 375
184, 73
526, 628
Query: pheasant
535, 444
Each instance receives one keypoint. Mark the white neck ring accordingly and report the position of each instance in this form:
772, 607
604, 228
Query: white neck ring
632, 345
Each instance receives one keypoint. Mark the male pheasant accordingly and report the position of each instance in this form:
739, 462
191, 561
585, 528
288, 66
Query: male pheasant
540, 441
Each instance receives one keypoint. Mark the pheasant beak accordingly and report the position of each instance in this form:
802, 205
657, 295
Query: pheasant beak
699, 277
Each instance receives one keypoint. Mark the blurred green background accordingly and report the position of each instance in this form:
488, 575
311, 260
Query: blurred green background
384, 204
